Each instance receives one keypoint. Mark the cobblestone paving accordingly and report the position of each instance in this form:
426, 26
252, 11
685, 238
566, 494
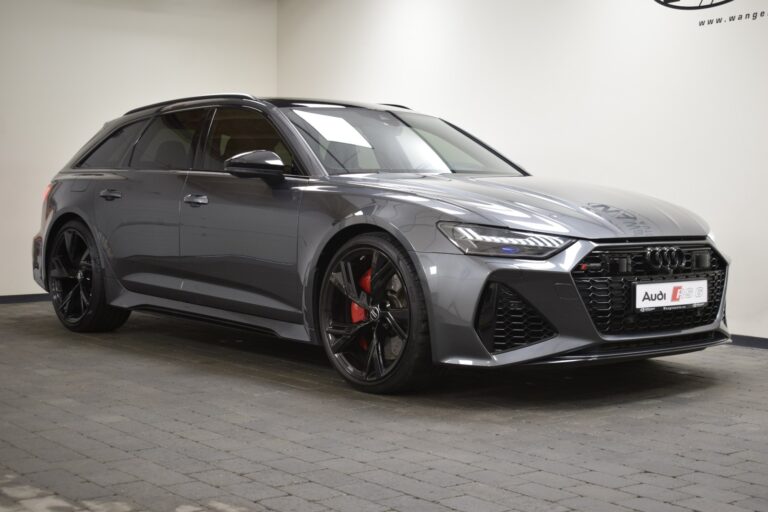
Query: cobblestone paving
172, 415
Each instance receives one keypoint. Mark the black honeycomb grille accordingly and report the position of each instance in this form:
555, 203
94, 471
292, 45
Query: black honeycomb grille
605, 280
506, 321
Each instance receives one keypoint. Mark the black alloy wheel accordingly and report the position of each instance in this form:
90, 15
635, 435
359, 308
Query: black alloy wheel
71, 276
75, 282
372, 316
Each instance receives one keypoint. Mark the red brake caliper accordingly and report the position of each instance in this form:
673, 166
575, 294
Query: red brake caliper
357, 312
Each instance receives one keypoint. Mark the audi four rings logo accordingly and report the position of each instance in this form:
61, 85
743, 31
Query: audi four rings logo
692, 4
665, 258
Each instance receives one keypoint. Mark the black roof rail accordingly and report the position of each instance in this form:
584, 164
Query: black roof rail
395, 105
239, 96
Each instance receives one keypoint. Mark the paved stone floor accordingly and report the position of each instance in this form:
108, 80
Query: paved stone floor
167, 414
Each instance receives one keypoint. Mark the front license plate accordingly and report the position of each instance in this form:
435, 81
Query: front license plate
668, 295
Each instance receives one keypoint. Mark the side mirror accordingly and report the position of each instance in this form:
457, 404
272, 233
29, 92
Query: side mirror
263, 164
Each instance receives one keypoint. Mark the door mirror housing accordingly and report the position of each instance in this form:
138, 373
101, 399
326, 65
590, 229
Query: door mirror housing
260, 163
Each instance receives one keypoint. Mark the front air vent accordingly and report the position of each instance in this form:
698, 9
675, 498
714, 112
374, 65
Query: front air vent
505, 321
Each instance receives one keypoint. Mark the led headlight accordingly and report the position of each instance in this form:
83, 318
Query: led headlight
490, 241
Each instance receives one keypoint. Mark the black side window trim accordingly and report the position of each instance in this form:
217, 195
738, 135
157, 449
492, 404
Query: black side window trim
202, 142
101, 141
148, 121
206, 132
196, 143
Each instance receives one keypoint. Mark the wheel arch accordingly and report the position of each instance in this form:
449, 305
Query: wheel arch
323, 260
54, 228
329, 248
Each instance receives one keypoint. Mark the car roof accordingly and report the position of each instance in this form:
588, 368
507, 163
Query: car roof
304, 102
277, 102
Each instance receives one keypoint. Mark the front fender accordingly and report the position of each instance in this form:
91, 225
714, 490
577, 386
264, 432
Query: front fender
325, 219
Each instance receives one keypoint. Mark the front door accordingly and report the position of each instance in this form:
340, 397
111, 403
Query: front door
239, 235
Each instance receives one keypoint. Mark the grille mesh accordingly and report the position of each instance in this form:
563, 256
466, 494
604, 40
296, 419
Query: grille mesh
506, 321
605, 277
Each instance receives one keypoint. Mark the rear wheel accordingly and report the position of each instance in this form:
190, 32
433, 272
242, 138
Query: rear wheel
76, 282
372, 316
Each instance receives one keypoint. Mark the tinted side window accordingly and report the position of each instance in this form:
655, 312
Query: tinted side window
236, 131
168, 142
113, 153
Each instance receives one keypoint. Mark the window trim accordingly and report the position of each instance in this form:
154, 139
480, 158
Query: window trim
297, 167
195, 140
129, 152
522, 171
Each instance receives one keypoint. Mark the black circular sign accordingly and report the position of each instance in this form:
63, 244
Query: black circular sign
692, 4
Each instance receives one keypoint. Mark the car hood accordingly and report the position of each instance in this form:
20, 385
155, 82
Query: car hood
548, 206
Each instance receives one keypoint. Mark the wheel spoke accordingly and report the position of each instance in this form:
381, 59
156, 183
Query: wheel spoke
395, 324
66, 303
80, 305
60, 271
374, 367
402, 315
75, 308
70, 248
85, 259
85, 300
345, 334
382, 270
344, 280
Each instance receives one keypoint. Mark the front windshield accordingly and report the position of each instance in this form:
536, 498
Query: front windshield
361, 140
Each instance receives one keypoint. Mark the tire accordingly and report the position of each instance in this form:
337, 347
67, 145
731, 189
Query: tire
372, 316
76, 282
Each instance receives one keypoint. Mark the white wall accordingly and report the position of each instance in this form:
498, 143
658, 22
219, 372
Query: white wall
67, 66
627, 93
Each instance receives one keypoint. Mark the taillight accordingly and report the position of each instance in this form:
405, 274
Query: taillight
47, 192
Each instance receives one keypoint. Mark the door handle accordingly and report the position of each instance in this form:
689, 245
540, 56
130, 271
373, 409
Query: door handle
196, 199
110, 194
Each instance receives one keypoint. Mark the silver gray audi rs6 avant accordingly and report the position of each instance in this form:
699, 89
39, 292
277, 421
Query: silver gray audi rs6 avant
395, 240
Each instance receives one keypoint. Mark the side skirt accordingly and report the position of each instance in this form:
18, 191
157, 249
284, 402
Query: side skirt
267, 326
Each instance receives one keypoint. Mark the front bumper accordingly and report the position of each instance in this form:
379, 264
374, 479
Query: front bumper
455, 284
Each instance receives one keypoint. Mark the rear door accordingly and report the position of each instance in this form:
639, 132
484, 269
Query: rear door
137, 209
238, 235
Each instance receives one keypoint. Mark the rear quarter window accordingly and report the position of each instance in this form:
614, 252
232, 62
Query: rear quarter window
114, 151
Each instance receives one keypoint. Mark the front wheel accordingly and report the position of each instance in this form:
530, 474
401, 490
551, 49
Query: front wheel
372, 316
76, 282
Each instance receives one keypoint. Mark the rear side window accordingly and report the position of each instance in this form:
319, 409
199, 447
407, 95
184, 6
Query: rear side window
114, 152
169, 141
238, 130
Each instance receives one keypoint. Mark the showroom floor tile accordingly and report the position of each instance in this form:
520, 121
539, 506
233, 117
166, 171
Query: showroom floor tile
169, 414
